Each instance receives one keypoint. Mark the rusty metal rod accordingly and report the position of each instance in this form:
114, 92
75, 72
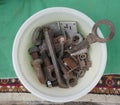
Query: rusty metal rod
53, 58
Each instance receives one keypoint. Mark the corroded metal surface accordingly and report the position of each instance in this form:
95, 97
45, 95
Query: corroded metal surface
61, 54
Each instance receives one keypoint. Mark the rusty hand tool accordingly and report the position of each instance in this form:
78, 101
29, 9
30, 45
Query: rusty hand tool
93, 36
49, 42
36, 63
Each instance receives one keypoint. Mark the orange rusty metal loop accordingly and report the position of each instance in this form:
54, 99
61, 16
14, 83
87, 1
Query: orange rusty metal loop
112, 31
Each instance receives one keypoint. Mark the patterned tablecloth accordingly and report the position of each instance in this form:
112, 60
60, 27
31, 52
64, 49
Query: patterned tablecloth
109, 85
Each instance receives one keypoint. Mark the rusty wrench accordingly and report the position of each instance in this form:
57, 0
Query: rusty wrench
93, 36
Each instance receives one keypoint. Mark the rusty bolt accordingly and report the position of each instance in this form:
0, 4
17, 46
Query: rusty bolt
36, 63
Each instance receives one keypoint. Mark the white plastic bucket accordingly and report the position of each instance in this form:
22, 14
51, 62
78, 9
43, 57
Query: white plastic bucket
21, 58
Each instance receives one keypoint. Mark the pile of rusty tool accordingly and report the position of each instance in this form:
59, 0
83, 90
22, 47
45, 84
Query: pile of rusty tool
61, 54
